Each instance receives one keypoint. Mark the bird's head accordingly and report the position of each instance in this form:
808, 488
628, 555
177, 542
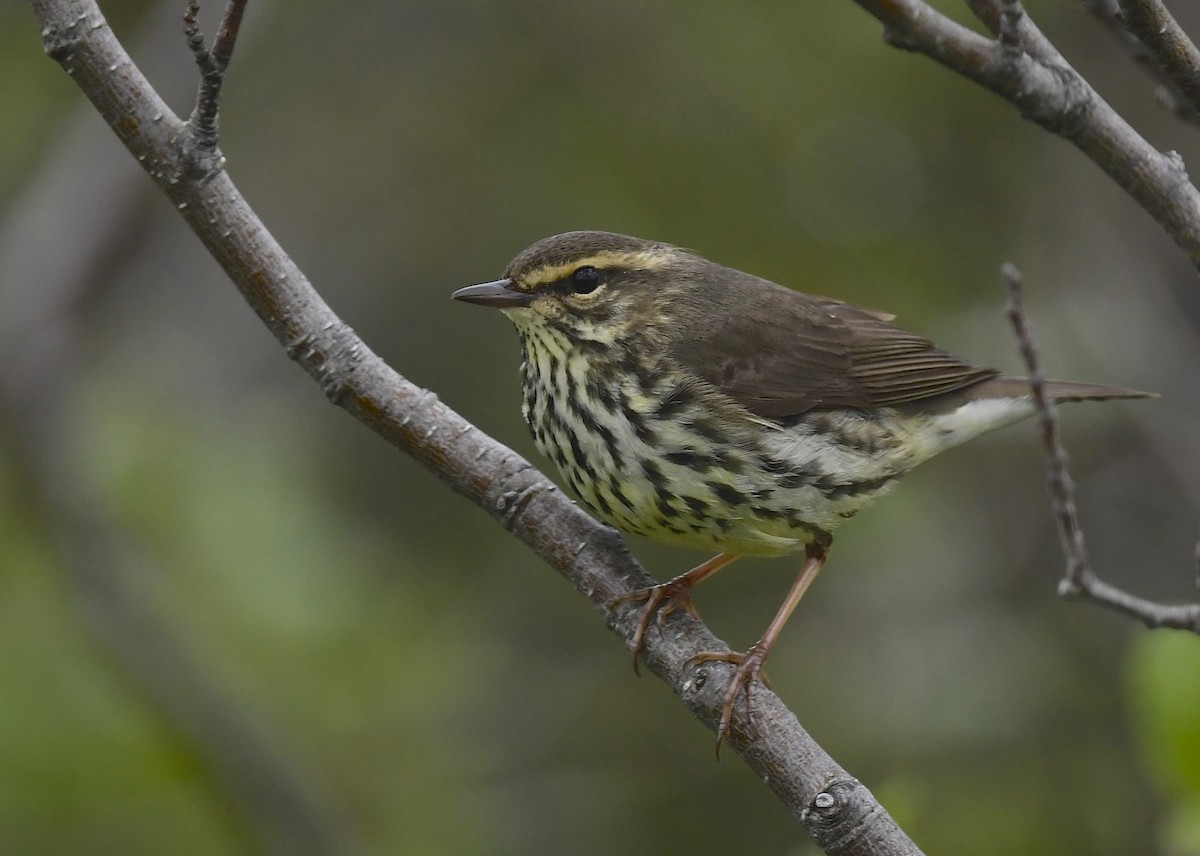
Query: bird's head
595, 286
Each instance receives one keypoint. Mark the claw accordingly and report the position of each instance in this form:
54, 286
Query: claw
663, 599
749, 669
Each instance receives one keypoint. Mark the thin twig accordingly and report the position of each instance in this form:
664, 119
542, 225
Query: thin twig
227, 33
193, 36
1062, 489
1079, 580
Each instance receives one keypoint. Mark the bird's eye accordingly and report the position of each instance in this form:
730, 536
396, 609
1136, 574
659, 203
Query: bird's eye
585, 280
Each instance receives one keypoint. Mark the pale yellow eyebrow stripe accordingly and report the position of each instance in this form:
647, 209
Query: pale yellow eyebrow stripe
639, 260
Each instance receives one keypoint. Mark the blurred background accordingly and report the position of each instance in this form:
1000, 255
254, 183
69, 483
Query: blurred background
234, 621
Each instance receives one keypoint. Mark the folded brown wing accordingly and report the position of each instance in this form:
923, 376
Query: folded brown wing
785, 353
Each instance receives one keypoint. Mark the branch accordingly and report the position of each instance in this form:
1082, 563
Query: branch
1079, 580
1166, 41
1025, 69
841, 815
1167, 92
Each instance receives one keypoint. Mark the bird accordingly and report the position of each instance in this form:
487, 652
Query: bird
706, 407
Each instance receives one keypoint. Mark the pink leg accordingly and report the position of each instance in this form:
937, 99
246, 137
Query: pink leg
750, 664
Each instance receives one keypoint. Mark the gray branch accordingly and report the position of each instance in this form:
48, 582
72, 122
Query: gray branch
1024, 68
1168, 93
1166, 41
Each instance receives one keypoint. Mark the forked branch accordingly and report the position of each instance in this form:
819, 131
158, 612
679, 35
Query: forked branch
213, 64
1079, 580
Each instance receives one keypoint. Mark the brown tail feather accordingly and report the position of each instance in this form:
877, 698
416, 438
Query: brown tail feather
1059, 390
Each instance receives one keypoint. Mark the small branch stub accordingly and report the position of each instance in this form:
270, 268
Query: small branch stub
842, 820
1008, 33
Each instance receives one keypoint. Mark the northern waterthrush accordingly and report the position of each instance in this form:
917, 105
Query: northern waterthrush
703, 406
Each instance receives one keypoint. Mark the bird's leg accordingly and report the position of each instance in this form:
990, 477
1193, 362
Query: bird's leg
750, 664
665, 598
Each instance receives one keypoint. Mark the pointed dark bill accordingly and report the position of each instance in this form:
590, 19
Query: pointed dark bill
500, 293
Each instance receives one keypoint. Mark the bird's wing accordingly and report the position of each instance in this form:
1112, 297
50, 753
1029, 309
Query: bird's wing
783, 353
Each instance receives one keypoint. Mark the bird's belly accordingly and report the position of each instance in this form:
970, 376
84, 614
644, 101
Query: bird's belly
731, 511
713, 480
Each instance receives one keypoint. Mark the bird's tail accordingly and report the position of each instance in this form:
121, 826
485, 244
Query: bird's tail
996, 402
1058, 390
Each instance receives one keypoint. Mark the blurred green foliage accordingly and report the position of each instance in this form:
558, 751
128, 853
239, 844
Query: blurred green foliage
429, 679
1164, 699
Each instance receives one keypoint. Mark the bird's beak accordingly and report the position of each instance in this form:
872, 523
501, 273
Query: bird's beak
500, 293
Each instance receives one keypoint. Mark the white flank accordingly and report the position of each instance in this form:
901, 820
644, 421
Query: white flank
975, 418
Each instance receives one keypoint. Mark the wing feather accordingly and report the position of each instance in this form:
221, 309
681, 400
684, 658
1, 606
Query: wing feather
783, 353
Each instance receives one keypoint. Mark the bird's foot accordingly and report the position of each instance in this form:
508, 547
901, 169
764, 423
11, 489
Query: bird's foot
749, 669
661, 600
